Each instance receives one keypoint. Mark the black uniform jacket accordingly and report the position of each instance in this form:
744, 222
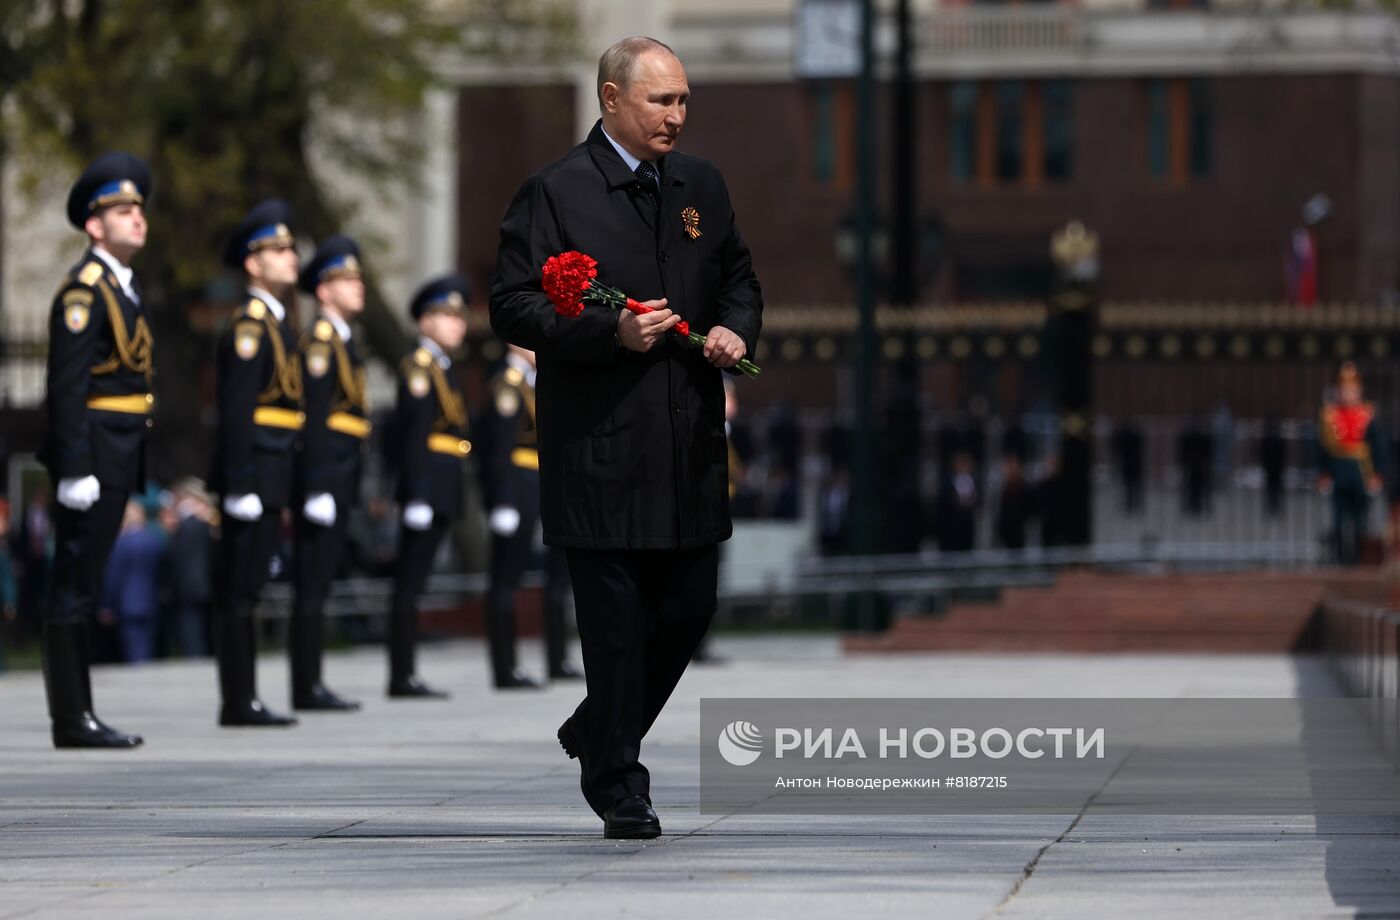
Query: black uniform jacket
632, 446
260, 409
337, 429
99, 380
429, 436
508, 444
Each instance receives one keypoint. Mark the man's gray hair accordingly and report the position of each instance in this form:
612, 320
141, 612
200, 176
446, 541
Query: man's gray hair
619, 63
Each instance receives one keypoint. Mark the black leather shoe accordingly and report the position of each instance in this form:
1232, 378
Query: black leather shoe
631, 819
88, 731
320, 699
566, 670
517, 680
413, 687
253, 715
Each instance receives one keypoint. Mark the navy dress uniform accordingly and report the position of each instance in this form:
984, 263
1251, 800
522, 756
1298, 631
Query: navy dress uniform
510, 485
334, 440
98, 402
430, 444
259, 398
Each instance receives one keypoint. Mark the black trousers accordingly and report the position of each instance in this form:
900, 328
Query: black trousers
245, 552
641, 615
417, 550
315, 560
82, 542
245, 549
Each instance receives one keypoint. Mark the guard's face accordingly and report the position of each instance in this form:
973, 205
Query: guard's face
446, 328
122, 227
345, 294
649, 113
274, 266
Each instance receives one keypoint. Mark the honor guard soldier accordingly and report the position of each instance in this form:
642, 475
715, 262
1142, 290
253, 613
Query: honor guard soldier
510, 485
428, 448
1352, 463
333, 444
260, 420
99, 404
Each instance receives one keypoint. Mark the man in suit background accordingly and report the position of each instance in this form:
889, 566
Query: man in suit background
633, 457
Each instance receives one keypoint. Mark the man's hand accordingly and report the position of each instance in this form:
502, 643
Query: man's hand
319, 509
243, 507
641, 332
505, 521
418, 516
724, 348
79, 493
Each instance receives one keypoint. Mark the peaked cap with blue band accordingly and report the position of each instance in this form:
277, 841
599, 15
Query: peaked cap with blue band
449, 292
113, 178
337, 257
267, 225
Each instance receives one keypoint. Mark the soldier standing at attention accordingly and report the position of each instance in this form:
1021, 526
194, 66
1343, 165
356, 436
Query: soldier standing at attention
428, 447
259, 400
333, 444
98, 400
510, 486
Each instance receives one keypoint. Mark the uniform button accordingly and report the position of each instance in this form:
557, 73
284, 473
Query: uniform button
150, 423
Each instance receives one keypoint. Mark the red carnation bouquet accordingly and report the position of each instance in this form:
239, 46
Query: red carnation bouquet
571, 280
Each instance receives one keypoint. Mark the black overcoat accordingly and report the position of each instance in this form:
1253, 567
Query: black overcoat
632, 446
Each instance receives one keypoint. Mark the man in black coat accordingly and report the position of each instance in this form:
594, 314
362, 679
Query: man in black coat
510, 487
258, 393
334, 384
428, 445
631, 418
98, 400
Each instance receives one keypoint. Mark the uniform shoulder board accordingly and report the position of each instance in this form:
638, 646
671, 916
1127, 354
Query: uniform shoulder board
90, 273
256, 309
422, 357
324, 330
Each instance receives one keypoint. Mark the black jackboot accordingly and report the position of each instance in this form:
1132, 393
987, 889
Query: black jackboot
236, 648
500, 636
308, 641
69, 688
404, 681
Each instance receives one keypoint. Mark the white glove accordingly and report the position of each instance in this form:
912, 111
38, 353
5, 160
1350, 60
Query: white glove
505, 521
320, 509
80, 493
418, 516
243, 507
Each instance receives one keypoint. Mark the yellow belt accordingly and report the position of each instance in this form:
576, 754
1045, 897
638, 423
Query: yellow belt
526, 458
275, 417
345, 423
133, 404
449, 444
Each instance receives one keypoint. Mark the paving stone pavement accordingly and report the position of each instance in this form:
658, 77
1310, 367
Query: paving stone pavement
467, 808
